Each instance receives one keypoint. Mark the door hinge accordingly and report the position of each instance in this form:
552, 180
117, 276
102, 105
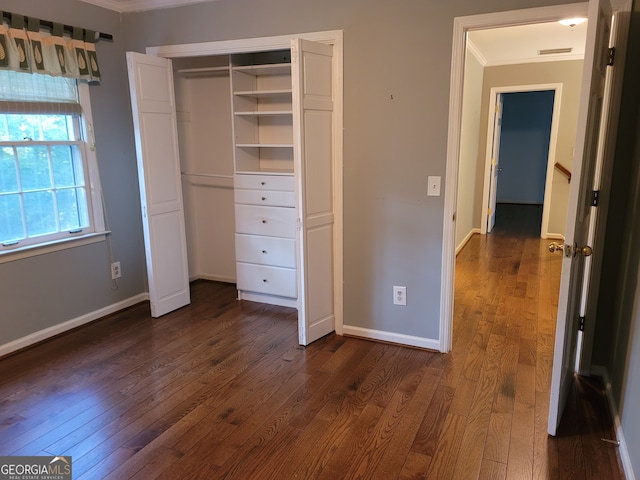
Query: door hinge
612, 56
298, 224
581, 325
489, 211
595, 198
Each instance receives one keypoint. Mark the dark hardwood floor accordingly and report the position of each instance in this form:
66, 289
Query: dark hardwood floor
220, 389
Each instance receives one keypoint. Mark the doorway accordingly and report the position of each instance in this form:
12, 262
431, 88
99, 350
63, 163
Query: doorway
521, 151
462, 27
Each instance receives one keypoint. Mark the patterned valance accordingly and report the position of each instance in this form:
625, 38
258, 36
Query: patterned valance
25, 48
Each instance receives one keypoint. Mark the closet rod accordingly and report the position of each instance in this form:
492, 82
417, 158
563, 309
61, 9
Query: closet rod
49, 24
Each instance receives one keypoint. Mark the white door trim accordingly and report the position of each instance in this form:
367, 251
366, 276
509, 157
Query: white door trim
551, 157
335, 38
462, 25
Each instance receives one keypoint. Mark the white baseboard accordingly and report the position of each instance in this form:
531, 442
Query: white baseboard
271, 299
212, 278
602, 372
466, 239
49, 332
555, 236
391, 337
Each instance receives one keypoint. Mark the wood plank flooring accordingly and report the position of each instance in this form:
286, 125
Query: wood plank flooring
220, 389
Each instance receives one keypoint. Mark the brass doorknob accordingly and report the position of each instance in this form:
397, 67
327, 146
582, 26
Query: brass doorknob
555, 247
586, 251
569, 250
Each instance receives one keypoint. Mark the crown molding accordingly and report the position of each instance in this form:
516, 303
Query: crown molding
140, 5
471, 47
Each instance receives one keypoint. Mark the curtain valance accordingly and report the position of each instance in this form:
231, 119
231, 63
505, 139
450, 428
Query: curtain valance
25, 48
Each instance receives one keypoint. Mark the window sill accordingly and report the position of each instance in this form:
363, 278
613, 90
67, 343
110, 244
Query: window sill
55, 246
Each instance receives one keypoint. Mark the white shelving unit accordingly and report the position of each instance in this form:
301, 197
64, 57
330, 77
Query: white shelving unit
263, 118
266, 263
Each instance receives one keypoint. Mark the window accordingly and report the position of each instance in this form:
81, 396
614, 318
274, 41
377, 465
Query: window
49, 189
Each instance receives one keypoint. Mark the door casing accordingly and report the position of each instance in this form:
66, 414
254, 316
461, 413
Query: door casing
462, 25
553, 139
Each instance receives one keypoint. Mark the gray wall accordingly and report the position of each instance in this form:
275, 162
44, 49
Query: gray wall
469, 141
47, 290
393, 231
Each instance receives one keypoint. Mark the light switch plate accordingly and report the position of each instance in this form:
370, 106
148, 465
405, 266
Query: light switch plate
433, 186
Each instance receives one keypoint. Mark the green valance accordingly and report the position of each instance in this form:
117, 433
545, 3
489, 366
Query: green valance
25, 48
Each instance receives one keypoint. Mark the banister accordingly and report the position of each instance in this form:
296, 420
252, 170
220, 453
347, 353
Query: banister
564, 171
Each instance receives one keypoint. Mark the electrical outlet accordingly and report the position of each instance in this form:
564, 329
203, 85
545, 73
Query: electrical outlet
399, 295
115, 270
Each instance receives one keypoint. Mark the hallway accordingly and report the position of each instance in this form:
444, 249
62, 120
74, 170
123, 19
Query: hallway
505, 308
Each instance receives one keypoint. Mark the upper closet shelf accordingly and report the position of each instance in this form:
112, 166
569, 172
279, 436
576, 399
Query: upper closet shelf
263, 93
203, 70
271, 69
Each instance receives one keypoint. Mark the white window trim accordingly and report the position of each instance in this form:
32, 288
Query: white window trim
99, 232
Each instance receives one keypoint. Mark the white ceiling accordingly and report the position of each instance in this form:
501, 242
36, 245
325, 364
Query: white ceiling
521, 44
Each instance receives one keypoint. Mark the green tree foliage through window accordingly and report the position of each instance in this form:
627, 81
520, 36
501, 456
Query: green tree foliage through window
42, 176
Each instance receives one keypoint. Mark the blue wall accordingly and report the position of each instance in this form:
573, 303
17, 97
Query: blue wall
524, 146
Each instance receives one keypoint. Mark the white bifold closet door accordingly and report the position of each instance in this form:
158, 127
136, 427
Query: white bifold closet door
154, 119
313, 106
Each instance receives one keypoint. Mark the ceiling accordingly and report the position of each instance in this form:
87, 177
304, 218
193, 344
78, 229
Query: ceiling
521, 44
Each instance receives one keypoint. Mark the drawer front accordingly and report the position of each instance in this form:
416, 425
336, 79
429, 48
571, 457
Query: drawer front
270, 221
264, 197
279, 252
264, 182
268, 280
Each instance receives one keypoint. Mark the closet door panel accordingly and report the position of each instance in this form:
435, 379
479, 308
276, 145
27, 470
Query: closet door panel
318, 151
156, 135
312, 65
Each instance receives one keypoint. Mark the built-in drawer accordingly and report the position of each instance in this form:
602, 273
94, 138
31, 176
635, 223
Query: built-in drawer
264, 197
275, 251
268, 280
264, 182
270, 221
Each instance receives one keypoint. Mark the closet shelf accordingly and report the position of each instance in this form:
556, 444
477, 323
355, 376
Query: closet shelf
264, 145
263, 93
203, 70
265, 113
269, 69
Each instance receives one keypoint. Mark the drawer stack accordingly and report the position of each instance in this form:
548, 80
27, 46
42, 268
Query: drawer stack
266, 237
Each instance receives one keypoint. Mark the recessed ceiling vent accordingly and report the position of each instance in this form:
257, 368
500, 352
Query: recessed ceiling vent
555, 51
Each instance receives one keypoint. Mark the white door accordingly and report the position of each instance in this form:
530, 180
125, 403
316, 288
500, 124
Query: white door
575, 278
154, 120
495, 160
311, 67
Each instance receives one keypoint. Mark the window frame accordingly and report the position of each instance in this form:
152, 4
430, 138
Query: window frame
96, 231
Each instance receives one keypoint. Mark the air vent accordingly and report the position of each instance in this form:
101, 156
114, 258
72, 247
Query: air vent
555, 51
